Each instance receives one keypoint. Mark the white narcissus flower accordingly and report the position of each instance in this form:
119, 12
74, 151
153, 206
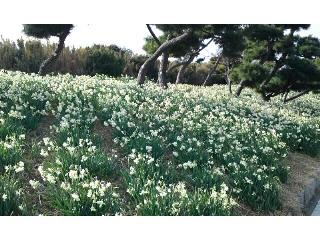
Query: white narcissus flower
44, 153
22, 136
46, 141
73, 174
150, 160
75, 197
34, 184
4, 197
19, 167
50, 178
148, 148
89, 194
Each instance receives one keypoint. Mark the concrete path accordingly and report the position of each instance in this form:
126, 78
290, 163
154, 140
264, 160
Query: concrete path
316, 211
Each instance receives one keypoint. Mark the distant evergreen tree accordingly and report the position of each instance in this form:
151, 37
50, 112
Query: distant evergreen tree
8, 51
105, 60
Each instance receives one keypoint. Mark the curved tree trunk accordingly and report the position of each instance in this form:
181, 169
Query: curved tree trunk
207, 80
240, 88
183, 68
162, 76
165, 46
229, 85
228, 80
273, 72
45, 64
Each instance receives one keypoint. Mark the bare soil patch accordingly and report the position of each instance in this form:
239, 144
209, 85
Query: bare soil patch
43, 130
107, 144
105, 132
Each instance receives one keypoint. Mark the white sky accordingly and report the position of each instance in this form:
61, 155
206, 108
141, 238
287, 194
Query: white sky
129, 35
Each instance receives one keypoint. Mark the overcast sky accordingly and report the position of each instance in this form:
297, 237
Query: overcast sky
124, 35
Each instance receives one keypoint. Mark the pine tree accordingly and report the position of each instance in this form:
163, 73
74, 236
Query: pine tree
46, 31
278, 61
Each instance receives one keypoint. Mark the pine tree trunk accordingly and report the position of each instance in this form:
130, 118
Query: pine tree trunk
229, 86
273, 72
228, 80
183, 68
240, 88
164, 47
207, 80
44, 65
162, 75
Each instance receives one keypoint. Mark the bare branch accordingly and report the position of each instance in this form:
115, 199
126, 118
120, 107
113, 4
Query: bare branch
153, 35
204, 46
164, 47
192, 55
206, 81
296, 96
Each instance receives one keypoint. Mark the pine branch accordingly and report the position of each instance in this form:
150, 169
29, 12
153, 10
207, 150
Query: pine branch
296, 96
153, 35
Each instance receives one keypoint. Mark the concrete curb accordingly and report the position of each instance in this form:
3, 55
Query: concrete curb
309, 197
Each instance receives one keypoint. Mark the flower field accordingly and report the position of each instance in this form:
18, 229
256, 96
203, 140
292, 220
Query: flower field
114, 148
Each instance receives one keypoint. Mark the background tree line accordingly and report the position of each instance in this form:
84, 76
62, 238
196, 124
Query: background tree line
27, 56
273, 59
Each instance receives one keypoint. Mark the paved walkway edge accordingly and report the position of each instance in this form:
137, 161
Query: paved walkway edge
309, 198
